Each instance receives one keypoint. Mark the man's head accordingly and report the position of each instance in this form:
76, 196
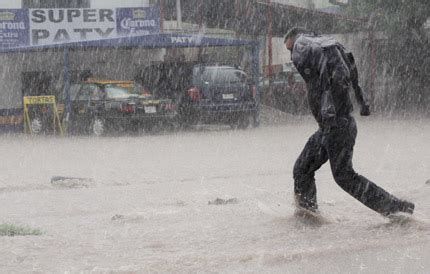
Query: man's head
291, 36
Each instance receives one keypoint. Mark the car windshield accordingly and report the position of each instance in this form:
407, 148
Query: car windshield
132, 87
218, 75
117, 92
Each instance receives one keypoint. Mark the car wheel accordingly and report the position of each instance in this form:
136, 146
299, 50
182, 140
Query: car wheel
244, 121
171, 126
36, 125
134, 128
98, 126
234, 123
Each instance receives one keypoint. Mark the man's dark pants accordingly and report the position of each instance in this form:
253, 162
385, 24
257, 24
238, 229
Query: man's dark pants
337, 146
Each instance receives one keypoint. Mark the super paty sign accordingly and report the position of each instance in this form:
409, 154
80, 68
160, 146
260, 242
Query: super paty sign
50, 26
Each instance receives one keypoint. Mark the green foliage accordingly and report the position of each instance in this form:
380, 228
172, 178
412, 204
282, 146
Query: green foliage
15, 230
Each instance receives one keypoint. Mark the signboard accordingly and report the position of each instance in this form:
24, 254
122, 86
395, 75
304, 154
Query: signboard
137, 21
31, 27
53, 26
14, 28
41, 100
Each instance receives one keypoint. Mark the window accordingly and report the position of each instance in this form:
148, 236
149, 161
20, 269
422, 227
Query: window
86, 92
74, 89
116, 92
97, 94
43, 4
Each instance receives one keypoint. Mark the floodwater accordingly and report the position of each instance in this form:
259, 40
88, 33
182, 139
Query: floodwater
143, 205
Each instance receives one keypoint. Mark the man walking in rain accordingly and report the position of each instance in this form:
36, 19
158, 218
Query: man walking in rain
329, 72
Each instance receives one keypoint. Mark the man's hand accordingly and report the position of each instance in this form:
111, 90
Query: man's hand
365, 110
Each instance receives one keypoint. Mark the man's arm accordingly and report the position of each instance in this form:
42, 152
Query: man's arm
362, 100
328, 109
359, 93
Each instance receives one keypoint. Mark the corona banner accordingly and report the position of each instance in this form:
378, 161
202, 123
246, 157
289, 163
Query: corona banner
32, 27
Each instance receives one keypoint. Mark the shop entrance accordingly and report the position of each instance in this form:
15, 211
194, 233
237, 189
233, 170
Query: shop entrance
36, 83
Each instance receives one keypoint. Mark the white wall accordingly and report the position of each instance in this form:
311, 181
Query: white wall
13, 64
318, 4
6, 4
10, 4
7, 91
16, 4
118, 3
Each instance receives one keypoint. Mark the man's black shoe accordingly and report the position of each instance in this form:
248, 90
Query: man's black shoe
406, 207
302, 204
401, 206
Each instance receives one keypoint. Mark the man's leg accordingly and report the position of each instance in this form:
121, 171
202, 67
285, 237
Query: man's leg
340, 144
310, 160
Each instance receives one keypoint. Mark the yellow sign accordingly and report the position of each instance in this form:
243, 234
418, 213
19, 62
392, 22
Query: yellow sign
41, 100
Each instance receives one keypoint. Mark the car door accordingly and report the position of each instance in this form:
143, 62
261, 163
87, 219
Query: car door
81, 105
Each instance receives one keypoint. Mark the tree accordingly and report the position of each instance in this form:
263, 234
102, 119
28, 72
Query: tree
406, 48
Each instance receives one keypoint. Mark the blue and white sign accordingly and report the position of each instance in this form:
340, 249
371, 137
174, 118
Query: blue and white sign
33, 27
14, 25
56, 26
138, 21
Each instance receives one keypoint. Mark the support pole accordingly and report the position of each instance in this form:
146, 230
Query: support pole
201, 27
67, 101
179, 14
161, 3
270, 49
255, 75
373, 57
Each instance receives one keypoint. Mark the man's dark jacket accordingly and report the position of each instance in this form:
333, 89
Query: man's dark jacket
329, 73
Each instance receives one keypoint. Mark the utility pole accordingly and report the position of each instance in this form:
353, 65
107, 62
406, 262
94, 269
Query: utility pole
201, 10
178, 14
201, 15
270, 49
161, 3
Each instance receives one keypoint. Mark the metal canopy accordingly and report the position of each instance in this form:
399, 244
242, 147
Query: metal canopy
150, 41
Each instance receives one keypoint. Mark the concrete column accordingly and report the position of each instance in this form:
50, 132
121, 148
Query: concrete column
179, 14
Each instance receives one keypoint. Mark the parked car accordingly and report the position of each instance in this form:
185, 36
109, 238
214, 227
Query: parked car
99, 106
204, 93
288, 92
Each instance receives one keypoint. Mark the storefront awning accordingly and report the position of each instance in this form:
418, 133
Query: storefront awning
163, 40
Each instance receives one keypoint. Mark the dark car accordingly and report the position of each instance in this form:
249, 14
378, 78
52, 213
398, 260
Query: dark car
99, 106
204, 93
288, 92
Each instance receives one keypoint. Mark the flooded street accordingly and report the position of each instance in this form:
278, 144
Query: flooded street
143, 205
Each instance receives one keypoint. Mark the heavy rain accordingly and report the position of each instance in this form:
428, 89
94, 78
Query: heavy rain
278, 136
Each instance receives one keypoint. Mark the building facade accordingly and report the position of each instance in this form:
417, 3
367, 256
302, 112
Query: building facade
17, 4
40, 72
